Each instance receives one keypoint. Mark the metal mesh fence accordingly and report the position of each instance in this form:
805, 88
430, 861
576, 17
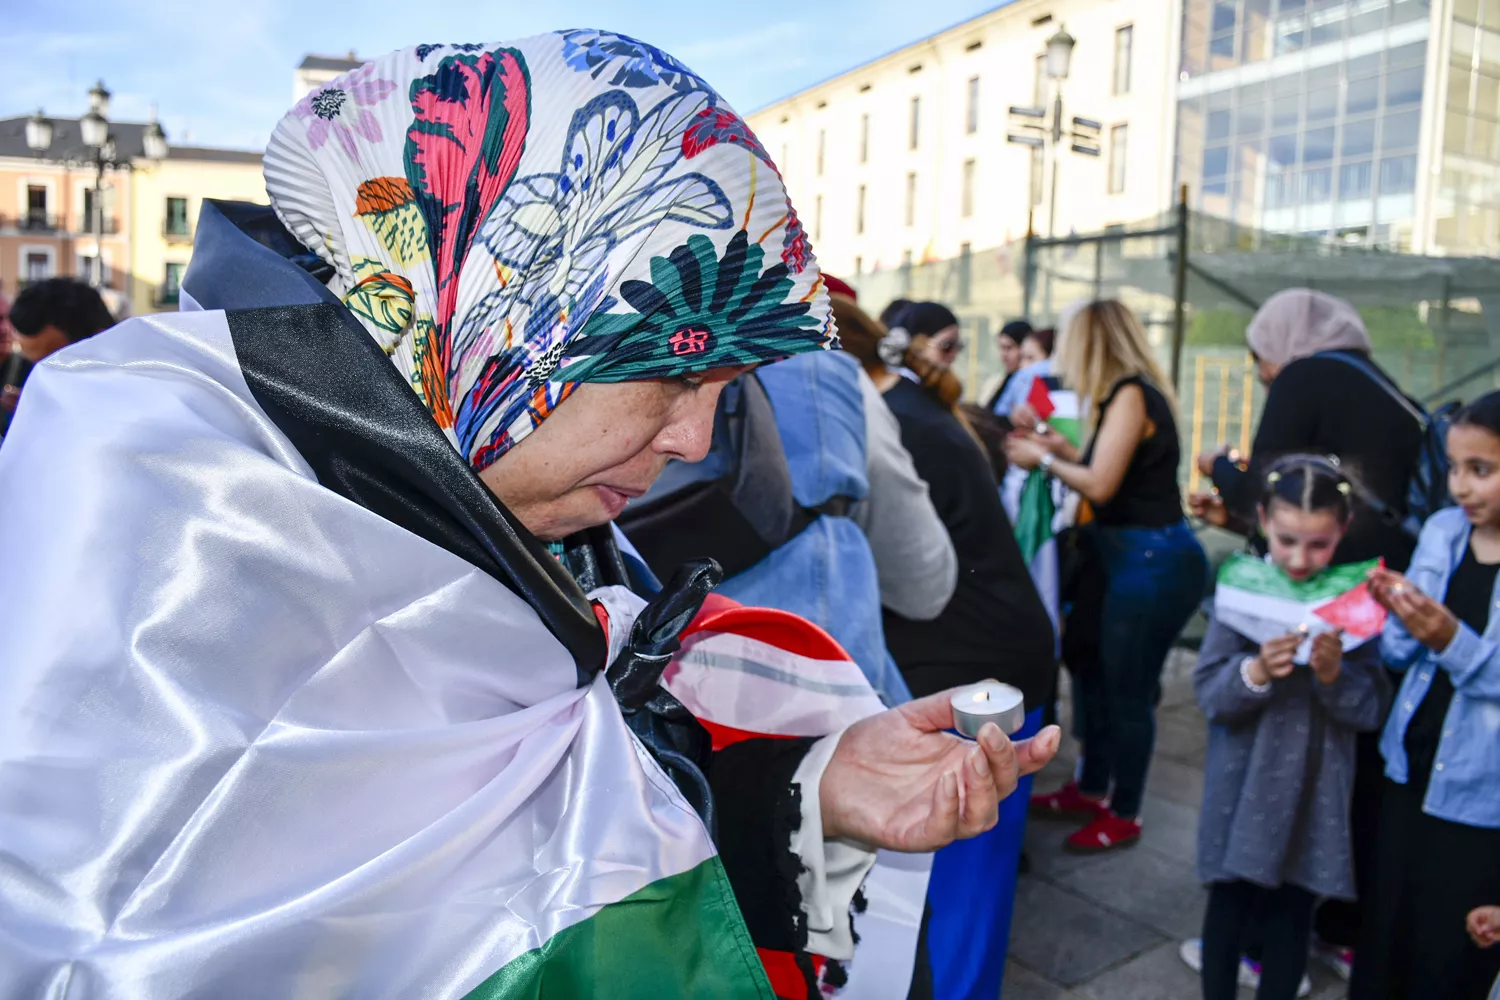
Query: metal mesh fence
1434, 321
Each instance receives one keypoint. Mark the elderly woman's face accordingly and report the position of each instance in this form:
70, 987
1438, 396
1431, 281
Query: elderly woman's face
602, 446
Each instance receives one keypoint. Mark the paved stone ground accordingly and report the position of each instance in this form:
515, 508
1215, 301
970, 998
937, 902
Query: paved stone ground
1107, 927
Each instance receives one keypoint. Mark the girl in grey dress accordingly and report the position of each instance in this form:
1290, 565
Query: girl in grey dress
1274, 833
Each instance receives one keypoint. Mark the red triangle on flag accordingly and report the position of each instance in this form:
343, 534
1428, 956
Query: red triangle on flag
1354, 611
1040, 400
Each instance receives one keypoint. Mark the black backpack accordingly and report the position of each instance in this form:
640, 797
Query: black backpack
739, 518
1427, 487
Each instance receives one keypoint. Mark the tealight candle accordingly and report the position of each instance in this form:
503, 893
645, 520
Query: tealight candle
990, 702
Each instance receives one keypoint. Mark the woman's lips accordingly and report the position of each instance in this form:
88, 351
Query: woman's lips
614, 500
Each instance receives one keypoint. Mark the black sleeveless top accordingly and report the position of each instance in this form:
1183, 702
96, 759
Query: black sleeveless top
1148, 496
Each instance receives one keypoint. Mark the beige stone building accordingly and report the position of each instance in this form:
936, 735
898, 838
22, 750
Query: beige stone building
905, 158
48, 218
166, 199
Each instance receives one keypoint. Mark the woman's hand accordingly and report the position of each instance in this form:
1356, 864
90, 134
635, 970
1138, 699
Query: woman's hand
1327, 658
1484, 925
1025, 451
1208, 458
1023, 417
1209, 508
899, 782
1431, 624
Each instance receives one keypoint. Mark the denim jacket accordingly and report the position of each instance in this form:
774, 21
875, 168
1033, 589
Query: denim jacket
1465, 783
826, 573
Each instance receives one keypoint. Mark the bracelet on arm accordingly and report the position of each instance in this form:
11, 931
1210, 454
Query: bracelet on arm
1245, 676
1046, 462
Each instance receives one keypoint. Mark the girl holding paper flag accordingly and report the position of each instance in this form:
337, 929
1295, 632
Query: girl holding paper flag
1288, 673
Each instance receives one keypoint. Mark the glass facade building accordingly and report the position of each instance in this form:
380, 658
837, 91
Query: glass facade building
1466, 202
1307, 116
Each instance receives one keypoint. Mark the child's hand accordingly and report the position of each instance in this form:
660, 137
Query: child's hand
1327, 656
1429, 622
1275, 659
1484, 925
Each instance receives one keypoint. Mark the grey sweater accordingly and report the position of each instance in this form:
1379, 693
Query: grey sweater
1279, 773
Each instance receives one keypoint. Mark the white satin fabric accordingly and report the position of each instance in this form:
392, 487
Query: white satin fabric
256, 741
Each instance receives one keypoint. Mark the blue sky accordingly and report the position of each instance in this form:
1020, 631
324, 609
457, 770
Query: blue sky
221, 70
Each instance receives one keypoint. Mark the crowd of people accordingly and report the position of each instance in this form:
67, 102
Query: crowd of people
335, 536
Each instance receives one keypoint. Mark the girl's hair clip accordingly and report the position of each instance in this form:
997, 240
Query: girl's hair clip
1273, 478
1345, 488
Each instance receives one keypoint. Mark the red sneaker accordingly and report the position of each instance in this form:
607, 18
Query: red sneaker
1105, 833
1067, 801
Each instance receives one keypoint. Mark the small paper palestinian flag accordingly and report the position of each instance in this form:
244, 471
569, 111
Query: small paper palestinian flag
1260, 602
1056, 407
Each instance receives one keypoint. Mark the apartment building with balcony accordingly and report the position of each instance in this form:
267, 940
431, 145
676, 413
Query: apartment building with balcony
145, 218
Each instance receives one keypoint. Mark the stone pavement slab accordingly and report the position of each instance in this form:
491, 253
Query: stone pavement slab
1068, 938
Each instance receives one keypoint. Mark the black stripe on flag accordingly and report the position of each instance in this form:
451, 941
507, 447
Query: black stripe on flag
325, 383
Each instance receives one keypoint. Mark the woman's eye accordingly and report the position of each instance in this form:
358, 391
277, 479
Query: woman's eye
691, 381
1482, 469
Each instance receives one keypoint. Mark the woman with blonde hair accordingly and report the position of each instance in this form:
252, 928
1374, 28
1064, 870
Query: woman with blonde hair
1154, 565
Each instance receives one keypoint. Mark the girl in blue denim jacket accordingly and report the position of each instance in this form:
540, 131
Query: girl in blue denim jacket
1439, 852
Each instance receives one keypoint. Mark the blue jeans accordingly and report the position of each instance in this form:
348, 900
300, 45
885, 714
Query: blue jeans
1156, 577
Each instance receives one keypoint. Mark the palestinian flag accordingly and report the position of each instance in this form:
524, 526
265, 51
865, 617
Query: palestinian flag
762, 672
1035, 500
1260, 602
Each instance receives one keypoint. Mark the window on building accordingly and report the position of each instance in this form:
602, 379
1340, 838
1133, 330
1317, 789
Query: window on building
1124, 37
971, 110
911, 199
38, 266
86, 224
818, 218
93, 270
1037, 166
905, 272
1119, 138
864, 138
966, 199
171, 283
1039, 82
822, 145
859, 265
36, 206
859, 210
177, 220
915, 129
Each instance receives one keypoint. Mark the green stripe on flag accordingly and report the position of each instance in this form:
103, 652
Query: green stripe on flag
1257, 576
1034, 514
680, 936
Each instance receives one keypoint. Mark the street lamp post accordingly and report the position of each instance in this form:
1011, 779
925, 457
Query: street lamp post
99, 152
1037, 132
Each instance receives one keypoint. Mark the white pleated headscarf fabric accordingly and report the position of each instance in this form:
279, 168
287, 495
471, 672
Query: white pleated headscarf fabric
511, 219
1300, 322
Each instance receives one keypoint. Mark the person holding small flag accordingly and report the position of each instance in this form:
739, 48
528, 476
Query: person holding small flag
1154, 565
1288, 673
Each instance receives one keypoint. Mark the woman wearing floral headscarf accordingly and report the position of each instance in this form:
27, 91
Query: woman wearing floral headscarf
299, 702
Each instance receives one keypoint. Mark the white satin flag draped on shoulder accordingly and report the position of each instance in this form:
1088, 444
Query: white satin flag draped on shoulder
256, 741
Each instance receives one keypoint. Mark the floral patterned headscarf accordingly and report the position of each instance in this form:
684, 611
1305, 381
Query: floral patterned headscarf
509, 220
